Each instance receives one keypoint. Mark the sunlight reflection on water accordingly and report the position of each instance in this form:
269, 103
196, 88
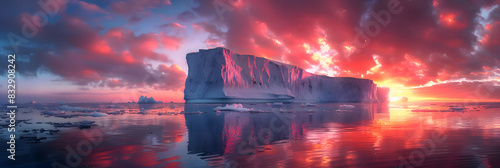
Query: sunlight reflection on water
293, 135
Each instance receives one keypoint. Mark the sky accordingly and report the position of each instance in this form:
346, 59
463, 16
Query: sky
115, 51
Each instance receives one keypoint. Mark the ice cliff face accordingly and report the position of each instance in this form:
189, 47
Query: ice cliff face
219, 75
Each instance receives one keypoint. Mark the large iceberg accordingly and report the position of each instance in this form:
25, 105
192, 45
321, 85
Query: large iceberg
219, 75
146, 100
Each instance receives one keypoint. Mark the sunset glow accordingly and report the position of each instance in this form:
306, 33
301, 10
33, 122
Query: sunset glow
250, 83
116, 47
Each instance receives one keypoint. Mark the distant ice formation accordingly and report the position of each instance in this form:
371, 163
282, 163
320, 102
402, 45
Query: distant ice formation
346, 107
277, 104
97, 114
309, 105
146, 100
219, 75
233, 107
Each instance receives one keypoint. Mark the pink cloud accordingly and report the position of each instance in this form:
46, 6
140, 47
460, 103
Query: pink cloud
170, 42
117, 58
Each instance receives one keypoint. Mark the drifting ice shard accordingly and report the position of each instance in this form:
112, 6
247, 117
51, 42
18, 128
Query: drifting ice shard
219, 75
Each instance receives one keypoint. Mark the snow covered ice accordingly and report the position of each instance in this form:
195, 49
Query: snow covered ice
219, 75
233, 107
146, 100
277, 104
346, 107
96, 114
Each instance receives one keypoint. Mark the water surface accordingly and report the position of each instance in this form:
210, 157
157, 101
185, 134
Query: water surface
292, 135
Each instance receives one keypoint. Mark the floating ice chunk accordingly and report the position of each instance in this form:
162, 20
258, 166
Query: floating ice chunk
233, 107
309, 105
97, 114
146, 100
346, 107
277, 104
198, 112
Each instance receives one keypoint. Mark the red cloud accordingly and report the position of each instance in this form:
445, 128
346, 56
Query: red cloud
170, 42
424, 42
466, 90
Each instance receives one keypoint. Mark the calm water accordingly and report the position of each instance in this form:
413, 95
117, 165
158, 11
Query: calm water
293, 135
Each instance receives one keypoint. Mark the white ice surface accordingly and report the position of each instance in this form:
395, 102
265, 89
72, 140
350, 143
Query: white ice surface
233, 107
219, 75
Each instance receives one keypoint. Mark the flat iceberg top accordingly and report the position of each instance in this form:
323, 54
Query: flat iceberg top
219, 75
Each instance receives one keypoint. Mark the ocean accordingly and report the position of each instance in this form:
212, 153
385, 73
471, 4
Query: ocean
426, 134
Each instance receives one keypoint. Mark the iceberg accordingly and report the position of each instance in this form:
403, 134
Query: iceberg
346, 106
96, 114
309, 105
233, 107
146, 100
277, 104
219, 76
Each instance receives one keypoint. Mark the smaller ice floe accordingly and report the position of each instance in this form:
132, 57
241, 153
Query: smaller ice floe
96, 114
198, 112
233, 107
142, 112
309, 105
277, 104
69, 108
346, 107
283, 111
